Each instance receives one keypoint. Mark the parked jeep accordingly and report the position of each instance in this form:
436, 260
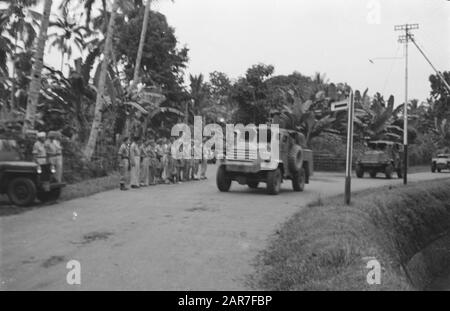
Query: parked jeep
24, 181
247, 167
442, 162
382, 157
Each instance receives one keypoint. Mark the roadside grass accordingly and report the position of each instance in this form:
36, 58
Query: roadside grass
326, 245
90, 187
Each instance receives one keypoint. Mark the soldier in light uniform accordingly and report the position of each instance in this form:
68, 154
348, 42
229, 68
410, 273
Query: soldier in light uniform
204, 162
124, 158
135, 161
145, 163
39, 149
54, 153
153, 163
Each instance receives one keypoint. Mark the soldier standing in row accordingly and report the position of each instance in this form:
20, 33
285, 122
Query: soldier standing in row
135, 161
54, 153
145, 163
153, 165
39, 150
124, 158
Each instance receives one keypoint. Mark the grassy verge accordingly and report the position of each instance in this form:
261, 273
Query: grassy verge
327, 245
90, 187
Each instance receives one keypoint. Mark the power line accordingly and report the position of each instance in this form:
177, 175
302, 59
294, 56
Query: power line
439, 74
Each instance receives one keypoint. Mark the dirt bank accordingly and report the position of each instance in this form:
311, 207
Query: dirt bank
327, 245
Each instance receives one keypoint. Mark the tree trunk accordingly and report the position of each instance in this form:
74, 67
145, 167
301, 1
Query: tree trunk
35, 84
13, 80
137, 67
96, 123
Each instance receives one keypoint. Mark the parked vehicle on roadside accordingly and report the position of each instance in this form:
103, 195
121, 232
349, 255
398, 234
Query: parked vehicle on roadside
382, 157
295, 163
441, 162
24, 181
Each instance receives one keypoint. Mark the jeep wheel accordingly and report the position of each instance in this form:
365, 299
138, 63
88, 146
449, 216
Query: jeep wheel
399, 173
50, 196
22, 191
295, 158
439, 170
388, 171
222, 180
359, 171
433, 168
298, 181
253, 184
274, 181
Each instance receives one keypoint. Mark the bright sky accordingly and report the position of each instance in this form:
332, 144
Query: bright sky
335, 37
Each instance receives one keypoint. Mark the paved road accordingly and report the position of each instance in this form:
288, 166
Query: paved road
179, 237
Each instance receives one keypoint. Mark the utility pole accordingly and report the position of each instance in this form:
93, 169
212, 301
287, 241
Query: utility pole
405, 39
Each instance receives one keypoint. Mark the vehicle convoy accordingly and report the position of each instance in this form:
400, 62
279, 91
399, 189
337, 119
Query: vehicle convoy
24, 181
382, 157
441, 162
247, 167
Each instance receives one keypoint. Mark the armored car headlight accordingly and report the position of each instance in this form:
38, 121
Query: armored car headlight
39, 170
53, 169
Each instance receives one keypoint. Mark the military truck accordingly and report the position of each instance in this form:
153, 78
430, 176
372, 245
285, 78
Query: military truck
247, 167
381, 157
441, 162
24, 181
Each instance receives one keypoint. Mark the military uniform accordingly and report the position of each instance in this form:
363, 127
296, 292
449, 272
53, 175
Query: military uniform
124, 160
40, 153
135, 159
153, 165
145, 163
54, 154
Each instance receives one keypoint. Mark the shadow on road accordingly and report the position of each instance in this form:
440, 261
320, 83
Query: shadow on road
8, 209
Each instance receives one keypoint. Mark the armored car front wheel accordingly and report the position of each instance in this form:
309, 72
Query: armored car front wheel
274, 179
298, 181
222, 180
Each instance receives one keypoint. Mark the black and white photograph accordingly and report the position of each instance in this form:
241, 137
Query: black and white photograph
224, 151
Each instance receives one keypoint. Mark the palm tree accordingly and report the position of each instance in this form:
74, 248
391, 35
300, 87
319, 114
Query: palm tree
107, 52
72, 35
137, 67
35, 85
22, 22
198, 93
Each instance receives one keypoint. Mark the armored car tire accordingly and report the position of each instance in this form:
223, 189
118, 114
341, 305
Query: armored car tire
298, 180
359, 171
274, 181
253, 184
295, 158
22, 191
388, 171
222, 180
